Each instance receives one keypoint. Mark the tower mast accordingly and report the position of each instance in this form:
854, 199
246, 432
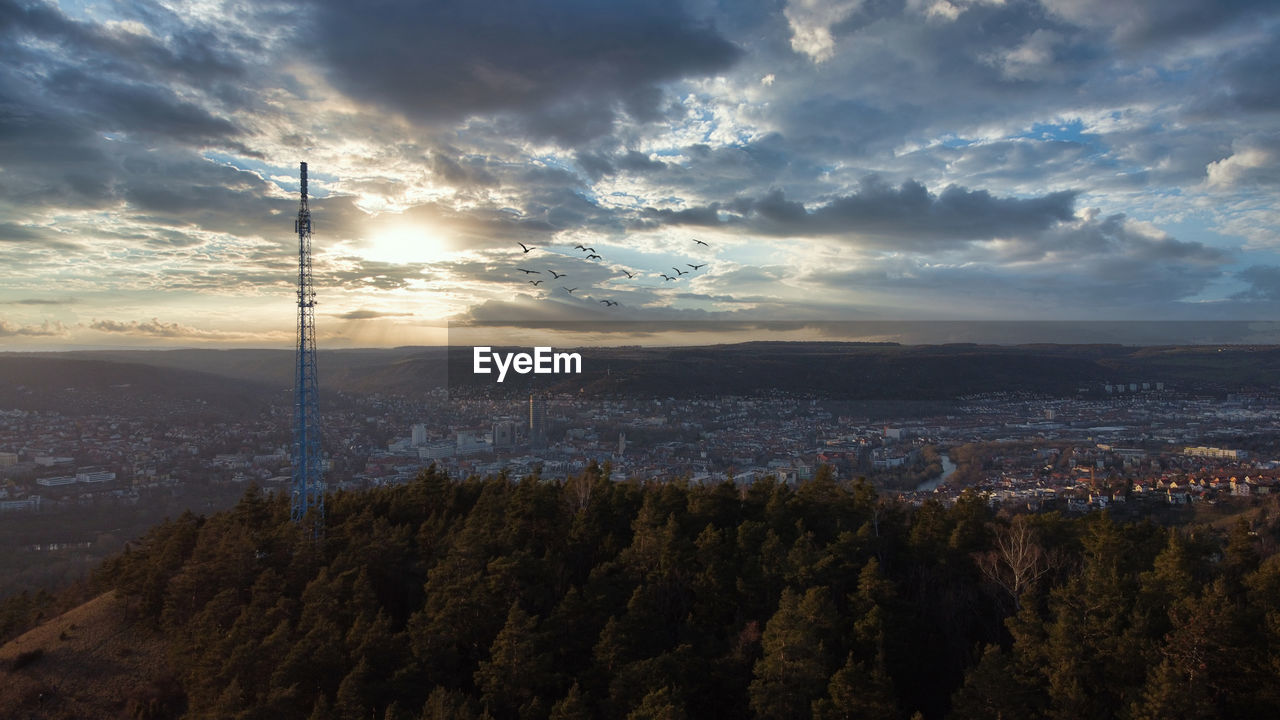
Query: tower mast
308, 491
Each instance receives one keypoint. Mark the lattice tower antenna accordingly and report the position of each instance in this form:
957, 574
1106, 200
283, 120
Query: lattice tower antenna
308, 489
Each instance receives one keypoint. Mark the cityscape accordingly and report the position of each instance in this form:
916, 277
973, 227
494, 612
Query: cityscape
1107, 442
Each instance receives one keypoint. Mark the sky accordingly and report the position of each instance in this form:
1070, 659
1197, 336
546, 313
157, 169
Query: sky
845, 161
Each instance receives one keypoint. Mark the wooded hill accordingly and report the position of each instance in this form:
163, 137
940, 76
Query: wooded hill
593, 599
831, 370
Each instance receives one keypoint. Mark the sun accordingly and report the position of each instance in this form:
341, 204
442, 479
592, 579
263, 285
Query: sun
403, 244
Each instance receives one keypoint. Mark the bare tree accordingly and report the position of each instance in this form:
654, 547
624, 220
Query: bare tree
577, 490
1017, 562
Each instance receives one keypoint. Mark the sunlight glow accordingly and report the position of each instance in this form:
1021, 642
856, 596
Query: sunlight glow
403, 244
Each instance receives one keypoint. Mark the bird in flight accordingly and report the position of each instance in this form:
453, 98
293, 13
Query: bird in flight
556, 274
699, 241
526, 248
579, 247
610, 303
530, 272
666, 276
629, 275
695, 267
593, 255
569, 290
534, 282
679, 272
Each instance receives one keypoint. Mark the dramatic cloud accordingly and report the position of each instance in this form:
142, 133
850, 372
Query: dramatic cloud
964, 159
566, 70
1264, 283
1139, 22
1253, 162
908, 216
811, 22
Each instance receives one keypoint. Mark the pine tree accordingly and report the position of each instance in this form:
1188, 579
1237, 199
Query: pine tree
659, 704
445, 704
857, 692
572, 706
995, 689
353, 699
797, 655
517, 671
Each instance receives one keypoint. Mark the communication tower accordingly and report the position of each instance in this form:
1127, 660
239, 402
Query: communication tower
308, 490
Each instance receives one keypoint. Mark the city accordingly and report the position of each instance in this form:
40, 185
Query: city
1107, 443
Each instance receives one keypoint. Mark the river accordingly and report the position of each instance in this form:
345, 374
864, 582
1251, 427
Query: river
948, 467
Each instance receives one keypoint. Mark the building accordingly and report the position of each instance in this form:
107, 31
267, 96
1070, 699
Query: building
419, 435
470, 441
30, 503
8, 459
95, 476
1214, 452
504, 434
537, 421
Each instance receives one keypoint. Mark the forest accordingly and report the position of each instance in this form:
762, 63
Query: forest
531, 599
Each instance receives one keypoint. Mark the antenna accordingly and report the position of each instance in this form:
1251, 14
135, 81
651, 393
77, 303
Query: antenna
308, 491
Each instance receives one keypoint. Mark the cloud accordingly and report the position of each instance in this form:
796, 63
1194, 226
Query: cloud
1146, 22
139, 109
34, 237
1252, 162
908, 216
45, 329
811, 22
111, 77
40, 301
1110, 267
154, 328
564, 70
936, 149
370, 315
1245, 79
1264, 283
1111, 242
1032, 59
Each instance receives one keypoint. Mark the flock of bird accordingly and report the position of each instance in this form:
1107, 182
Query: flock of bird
591, 254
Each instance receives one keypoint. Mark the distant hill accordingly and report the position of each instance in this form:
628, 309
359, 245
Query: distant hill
854, 371
895, 372
72, 382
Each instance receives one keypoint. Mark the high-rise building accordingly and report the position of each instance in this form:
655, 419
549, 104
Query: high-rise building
419, 432
503, 434
537, 421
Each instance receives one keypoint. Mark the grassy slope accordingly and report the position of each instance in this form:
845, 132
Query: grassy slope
91, 664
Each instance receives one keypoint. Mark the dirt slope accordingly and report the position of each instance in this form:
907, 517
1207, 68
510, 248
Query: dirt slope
87, 663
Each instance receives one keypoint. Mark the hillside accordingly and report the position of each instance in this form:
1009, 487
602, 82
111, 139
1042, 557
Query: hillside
856, 371
87, 663
841, 371
68, 382
532, 600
